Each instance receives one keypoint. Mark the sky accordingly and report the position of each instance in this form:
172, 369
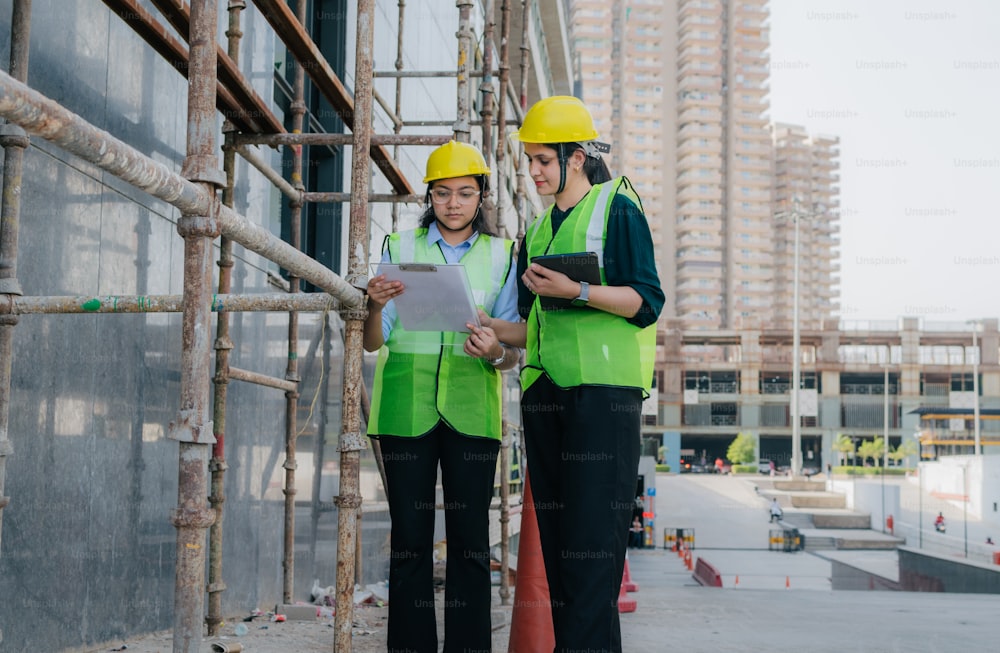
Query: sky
912, 88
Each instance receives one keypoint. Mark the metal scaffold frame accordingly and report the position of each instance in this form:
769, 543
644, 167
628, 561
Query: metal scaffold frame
215, 84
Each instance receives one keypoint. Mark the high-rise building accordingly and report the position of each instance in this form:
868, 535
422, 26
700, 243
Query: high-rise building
681, 89
805, 178
622, 60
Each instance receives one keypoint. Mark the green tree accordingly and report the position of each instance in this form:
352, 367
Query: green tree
873, 449
906, 448
743, 449
844, 446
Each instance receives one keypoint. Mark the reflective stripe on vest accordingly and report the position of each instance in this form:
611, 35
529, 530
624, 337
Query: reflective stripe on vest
585, 346
424, 377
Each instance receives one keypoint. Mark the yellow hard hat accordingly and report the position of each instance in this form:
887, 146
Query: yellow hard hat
454, 159
557, 119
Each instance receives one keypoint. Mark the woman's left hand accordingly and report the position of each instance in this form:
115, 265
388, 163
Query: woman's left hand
549, 283
482, 343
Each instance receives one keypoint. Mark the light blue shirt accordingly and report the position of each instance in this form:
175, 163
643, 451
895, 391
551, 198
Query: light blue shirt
505, 307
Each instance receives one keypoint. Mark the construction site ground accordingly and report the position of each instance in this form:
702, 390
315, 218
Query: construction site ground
767, 596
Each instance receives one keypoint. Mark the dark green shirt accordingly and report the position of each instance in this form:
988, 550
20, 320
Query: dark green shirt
629, 260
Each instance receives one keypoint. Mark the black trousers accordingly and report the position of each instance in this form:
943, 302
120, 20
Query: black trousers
583, 458
468, 466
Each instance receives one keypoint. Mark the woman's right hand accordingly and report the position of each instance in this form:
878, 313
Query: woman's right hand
380, 291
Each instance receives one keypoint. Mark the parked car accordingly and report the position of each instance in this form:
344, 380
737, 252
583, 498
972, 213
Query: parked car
765, 466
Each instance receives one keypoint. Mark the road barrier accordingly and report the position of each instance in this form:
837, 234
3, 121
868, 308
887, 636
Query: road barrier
786, 539
673, 538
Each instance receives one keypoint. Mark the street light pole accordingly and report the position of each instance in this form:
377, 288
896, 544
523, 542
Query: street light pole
885, 434
796, 356
977, 448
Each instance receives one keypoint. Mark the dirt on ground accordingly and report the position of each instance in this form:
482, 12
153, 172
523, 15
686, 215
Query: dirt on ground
264, 636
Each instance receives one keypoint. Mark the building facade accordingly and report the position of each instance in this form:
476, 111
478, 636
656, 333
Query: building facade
718, 383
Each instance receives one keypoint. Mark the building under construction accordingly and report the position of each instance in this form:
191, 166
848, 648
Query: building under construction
193, 192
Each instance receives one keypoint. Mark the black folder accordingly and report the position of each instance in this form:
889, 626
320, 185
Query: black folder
578, 266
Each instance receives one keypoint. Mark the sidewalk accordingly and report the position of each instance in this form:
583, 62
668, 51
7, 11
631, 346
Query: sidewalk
769, 599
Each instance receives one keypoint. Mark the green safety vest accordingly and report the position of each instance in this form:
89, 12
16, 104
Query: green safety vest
423, 377
585, 346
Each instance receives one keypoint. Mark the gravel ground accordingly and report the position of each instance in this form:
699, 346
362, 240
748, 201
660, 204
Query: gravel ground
307, 636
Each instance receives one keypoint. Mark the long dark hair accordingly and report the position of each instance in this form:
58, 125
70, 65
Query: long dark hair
479, 223
594, 167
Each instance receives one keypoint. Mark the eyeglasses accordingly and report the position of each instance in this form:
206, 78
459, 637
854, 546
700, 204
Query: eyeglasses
444, 195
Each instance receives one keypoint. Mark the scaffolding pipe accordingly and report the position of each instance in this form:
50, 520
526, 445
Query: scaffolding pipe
501, 175
274, 140
352, 440
193, 426
14, 141
398, 126
393, 116
462, 126
43, 117
520, 201
266, 302
405, 74
257, 161
349, 197
486, 87
298, 110
256, 378
223, 345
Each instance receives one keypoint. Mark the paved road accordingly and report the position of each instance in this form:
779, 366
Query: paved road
759, 613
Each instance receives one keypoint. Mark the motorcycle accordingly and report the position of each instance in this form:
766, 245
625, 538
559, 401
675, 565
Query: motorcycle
939, 526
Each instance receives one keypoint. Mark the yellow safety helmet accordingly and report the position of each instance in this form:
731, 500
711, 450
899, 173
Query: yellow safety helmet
558, 119
454, 159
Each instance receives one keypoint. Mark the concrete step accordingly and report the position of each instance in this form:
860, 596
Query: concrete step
842, 520
799, 485
820, 543
817, 500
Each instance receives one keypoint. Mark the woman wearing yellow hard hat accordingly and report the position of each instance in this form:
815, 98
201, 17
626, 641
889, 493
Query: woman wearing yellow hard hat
590, 353
437, 401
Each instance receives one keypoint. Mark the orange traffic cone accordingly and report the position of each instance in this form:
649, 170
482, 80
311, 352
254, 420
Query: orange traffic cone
630, 585
531, 618
625, 604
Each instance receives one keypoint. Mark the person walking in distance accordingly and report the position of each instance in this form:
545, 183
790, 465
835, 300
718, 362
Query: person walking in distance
776, 512
587, 370
437, 401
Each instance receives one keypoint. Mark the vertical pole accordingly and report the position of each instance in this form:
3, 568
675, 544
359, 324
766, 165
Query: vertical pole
522, 166
462, 128
920, 506
298, 110
486, 87
796, 354
397, 126
14, 141
977, 449
965, 505
223, 345
351, 438
193, 427
885, 433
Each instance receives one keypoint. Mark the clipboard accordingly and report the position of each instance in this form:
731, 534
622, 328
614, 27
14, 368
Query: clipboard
437, 296
578, 266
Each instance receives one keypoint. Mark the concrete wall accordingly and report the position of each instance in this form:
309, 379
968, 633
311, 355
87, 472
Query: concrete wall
920, 571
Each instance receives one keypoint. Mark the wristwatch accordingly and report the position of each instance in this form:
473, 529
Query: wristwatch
584, 296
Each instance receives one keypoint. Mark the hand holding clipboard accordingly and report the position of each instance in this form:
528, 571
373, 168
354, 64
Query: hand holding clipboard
578, 266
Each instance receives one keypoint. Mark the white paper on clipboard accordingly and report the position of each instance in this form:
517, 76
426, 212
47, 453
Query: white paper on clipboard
437, 296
